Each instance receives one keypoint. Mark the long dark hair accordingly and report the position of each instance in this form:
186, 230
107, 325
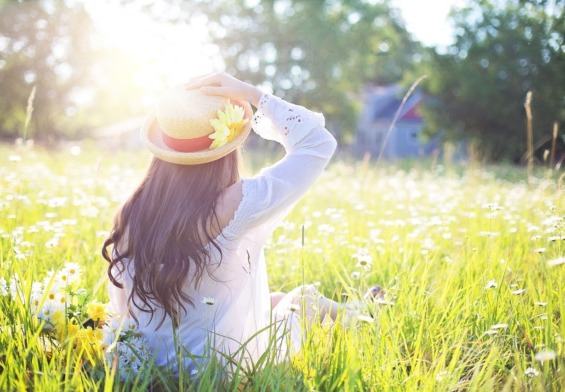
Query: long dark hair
164, 228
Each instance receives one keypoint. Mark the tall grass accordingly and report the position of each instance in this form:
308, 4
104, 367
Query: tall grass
463, 256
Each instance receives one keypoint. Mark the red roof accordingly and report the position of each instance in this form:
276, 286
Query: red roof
413, 113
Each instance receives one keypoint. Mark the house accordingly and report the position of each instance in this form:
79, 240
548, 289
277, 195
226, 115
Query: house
374, 132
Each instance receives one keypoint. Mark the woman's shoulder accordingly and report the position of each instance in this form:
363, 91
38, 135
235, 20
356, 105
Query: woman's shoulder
237, 208
228, 204
233, 211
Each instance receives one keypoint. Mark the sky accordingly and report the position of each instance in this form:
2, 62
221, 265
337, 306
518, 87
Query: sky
427, 20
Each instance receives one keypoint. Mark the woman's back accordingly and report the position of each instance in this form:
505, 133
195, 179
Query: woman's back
231, 310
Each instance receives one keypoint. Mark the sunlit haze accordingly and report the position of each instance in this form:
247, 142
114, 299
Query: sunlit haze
160, 54
428, 20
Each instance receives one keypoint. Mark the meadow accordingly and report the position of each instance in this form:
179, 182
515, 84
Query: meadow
472, 259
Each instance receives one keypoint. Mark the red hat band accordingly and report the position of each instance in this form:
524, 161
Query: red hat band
187, 145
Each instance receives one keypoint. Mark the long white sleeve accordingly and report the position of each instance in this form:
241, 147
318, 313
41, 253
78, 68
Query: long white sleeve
309, 147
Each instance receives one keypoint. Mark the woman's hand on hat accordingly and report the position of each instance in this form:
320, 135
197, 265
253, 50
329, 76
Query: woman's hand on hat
227, 86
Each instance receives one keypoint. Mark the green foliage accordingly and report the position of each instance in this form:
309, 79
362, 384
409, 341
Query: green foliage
462, 252
44, 44
503, 49
315, 53
79, 85
318, 53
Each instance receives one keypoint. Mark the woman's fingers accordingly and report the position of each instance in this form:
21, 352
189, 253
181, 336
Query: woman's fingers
203, 80
190, 83
225, 85
217, 84
210, 90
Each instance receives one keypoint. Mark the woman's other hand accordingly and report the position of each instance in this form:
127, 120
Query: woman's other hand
227, 86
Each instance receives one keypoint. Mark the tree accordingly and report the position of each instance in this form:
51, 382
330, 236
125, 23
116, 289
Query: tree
315, 53
503, 49
44, 44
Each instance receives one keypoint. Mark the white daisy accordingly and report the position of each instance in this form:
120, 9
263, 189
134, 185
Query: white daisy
73, 271
46, 312
441, 375
555, 262
491, 284
367, 319
545, 355
128, 363
129, 324
108, 337
3, 287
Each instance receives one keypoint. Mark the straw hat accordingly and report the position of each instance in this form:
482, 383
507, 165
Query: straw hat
178, 129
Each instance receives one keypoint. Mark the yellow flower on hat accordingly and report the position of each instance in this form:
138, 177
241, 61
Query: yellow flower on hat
227, 126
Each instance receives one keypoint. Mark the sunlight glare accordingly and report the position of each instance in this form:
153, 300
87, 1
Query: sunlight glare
162, 53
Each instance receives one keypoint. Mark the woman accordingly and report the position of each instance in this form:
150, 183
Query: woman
187, 247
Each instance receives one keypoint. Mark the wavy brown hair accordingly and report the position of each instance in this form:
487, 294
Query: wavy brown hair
164, 228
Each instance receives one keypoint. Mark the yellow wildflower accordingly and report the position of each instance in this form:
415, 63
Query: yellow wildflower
88, 343
63, 328
227, 126
96, 311
59, 321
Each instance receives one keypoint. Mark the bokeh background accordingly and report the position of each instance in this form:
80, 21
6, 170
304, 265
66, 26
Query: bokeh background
72, 69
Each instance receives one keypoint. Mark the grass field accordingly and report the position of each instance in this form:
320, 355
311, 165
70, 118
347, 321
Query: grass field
472, 260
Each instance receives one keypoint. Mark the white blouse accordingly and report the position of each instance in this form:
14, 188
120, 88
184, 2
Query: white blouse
240, 322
